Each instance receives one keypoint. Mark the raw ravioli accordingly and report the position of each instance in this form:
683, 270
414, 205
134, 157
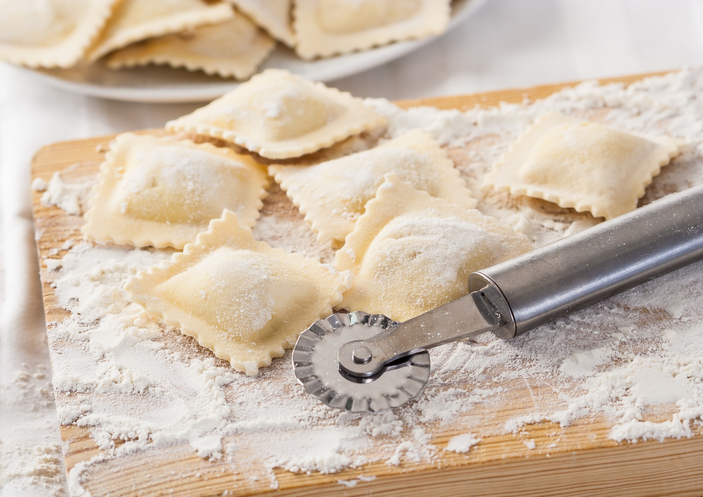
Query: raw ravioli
163, 192
279, 115
584, 165
410, 253
332, 195
242, 299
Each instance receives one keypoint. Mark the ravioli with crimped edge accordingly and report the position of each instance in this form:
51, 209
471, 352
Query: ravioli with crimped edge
241, 298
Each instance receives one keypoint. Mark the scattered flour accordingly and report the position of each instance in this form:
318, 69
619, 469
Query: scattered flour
66, 196
634, 359
39, 185
31, 462
353, 483
462, 443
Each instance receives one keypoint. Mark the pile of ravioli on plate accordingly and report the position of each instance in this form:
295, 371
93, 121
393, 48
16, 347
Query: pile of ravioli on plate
229, 38
400, 217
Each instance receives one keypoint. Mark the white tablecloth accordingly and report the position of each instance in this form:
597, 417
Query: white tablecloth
509, 43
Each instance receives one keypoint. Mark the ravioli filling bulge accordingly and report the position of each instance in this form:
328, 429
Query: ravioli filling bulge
344, 17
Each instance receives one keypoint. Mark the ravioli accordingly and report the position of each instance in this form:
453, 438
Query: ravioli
233, 48
333, 194
327, 27
50, 33
583, 165
279, 115
161, 192
272, 15
410, 252
239, 297
136, 20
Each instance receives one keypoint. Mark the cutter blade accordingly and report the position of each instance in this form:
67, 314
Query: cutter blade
317, 368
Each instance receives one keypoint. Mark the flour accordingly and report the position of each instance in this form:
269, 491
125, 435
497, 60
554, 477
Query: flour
24, 467
39, 185
353, 483
633, 359
63, 195
461, 444
31, 463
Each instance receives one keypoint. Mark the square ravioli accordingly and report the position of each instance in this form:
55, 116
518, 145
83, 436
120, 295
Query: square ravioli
279, 116
233, 48
50, 33
272, 15
327, 27
162, 192
583, 165
410, 253
136, 20
239, 297
333, 194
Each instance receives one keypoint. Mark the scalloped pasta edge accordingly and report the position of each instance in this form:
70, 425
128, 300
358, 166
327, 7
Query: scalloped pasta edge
322, 237
172, 61
314, 225
671, 145
287, 37
374, 121
182, 21
156, 274
229, 68
583, 207
148, 240
65, 54
309, 47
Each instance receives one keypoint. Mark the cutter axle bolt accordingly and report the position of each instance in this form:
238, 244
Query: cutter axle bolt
362, 355
356, 381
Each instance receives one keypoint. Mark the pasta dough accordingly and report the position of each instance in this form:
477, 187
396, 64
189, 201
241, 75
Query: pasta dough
410, 253
272, 15
279, 115
233, 48
161, 192
238, 297
587, 166
328, 27
136, 20
332, 195
50, 33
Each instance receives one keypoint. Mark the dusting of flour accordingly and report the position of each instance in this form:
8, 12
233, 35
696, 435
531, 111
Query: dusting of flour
31, 462
62, 194
634, 359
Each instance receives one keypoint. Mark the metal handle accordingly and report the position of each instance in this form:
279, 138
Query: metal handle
595, 264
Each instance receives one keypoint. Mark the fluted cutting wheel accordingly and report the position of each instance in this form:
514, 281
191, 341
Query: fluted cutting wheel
317, 367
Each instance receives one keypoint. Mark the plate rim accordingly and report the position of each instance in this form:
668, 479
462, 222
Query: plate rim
209, 92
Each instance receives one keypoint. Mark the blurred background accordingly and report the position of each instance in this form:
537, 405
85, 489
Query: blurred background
517, 43
505, 44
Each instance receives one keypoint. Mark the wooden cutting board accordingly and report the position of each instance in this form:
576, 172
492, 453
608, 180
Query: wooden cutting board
584, 462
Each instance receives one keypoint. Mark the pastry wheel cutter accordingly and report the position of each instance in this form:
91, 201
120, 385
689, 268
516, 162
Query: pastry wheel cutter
367, 362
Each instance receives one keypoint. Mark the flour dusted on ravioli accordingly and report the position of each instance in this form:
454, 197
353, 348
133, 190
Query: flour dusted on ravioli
328, 27
239, 297
233, 48
162, 192
410, 253
136, 20
584, 165
333, 194
50, 33
272, 15
279, 115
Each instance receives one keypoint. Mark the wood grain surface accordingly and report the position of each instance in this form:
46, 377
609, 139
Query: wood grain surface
584, 462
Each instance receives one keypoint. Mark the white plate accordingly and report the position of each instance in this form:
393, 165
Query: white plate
163, 84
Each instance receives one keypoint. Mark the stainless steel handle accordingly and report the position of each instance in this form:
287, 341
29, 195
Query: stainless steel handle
595, 264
